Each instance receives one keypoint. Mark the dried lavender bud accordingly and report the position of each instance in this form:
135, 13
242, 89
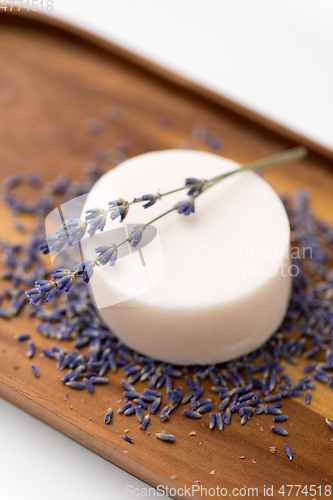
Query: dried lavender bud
168, 438
108, 415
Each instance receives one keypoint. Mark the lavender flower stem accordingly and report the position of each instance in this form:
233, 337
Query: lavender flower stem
162, 215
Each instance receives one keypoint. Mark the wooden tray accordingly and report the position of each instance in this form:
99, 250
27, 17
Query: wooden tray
52, 78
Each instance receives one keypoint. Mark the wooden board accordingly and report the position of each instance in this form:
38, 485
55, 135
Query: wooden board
52, 78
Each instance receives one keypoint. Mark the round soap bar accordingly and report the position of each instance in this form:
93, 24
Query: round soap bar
198, 289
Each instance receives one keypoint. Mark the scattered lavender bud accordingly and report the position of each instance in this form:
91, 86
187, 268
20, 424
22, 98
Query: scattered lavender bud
279, 430
227, 416
93, 126
144, 423
154, 405
30, 352
127, 386
219, 421
99, 380
165, 414
187, 397
129, 411
140, 402
288, 451
280, 418
205, 408
127, 438
320, 376
308, 397
122, 409
245, 418
131, 394
88, 385
169, 438
23, 336
329, 424
138, 413
35, 371
108, 415
212, 420
272, 410
192, 414
224, 403
74, 384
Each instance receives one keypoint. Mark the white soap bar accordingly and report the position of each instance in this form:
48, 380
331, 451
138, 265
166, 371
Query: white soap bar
203, 288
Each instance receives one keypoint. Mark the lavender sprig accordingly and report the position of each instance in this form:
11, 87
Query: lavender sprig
73, 230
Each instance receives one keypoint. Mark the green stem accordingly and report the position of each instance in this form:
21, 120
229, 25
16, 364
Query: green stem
160, 216
176, 190
290, 155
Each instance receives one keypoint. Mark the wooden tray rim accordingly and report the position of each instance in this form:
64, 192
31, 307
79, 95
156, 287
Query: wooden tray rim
37, 18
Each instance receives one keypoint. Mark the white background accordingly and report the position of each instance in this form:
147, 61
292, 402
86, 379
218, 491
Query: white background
274, 56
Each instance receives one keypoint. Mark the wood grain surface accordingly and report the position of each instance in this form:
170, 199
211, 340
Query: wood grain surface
51, 80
